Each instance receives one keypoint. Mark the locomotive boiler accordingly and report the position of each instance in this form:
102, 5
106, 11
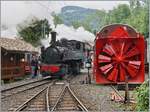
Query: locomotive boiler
119, 55
62, 57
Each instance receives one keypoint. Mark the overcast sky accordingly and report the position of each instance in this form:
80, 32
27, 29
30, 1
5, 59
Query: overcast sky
14, 12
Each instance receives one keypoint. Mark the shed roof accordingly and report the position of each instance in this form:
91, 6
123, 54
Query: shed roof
16, 45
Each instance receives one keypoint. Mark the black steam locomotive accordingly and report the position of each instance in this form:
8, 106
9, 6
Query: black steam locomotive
62, 57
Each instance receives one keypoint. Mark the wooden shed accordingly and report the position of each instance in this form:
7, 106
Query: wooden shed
15, 57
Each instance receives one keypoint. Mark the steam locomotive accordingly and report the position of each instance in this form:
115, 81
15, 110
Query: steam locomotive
62, 57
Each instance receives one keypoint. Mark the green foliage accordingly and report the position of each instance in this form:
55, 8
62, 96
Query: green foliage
119, 14
135, 14
34, 31
76, 24
134, 3
87, 27
57, 19
139, 19
142, 95
94, 20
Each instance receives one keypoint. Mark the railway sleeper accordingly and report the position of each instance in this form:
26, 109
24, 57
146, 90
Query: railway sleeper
67, 108
38, 105
67, 103
34, 109
11, 109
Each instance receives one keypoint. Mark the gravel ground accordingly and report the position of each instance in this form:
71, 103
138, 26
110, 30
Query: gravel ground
97, 97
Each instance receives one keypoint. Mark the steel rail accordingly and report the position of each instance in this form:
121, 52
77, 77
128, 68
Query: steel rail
3, 90
116, 91
120, 95
21, 107
60, 96
81, 106
47, 99
23, 90
80, 103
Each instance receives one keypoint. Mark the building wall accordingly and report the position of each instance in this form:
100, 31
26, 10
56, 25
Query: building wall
12, 64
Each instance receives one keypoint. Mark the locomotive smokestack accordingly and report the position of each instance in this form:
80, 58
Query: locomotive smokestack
53, 37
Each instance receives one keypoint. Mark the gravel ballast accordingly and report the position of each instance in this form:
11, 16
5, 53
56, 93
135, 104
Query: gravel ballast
96, 97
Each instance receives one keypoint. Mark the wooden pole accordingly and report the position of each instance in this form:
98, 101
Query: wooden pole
126, 99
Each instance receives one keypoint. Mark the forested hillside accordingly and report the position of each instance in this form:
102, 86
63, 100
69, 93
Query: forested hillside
135, 14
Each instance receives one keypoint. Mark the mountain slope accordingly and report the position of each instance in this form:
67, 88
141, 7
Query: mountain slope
90, 19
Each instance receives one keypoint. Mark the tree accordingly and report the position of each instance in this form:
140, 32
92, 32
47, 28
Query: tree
140, 22
76, 24
57, 19
134, 4
34, 30
135, 15
119, 14
142, 96
139, 17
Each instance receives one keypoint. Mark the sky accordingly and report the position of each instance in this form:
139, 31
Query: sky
15, 12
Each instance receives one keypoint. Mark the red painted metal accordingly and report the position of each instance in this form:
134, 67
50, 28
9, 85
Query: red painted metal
50, 68
27, 69
119, 52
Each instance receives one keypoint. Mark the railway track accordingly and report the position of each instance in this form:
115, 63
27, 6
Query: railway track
22, 88
54, 97
35, 103
66, 101
3, 89
12, 101
117, 92
41, 96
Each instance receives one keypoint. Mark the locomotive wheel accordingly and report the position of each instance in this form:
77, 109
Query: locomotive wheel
119, 59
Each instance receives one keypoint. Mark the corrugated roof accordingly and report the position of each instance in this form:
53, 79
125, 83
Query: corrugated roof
16, 45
